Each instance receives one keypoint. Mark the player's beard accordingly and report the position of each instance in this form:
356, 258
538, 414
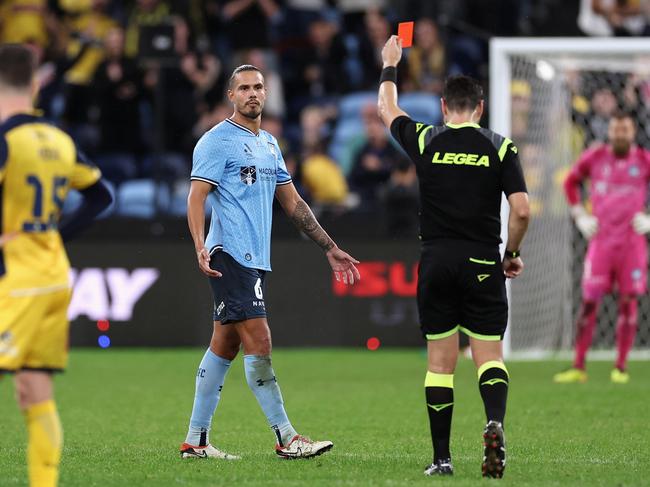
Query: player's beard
251, 111
621, 147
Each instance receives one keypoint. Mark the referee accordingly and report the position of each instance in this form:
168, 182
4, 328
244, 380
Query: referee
462, 170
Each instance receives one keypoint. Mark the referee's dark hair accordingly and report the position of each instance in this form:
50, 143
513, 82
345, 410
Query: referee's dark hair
16, 66
462, 93
240, 69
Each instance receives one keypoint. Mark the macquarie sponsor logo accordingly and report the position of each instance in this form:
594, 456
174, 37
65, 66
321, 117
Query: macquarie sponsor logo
112, 293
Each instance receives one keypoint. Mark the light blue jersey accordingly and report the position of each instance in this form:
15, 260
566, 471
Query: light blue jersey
244, 169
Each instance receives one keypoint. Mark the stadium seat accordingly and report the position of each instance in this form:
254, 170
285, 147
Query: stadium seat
142, 198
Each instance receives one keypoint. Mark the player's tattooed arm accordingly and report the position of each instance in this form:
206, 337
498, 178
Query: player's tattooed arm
303, 218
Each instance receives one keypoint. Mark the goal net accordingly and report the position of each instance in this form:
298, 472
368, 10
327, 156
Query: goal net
553, 97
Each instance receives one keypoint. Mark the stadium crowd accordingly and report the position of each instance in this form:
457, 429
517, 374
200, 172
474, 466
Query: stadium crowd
137, 83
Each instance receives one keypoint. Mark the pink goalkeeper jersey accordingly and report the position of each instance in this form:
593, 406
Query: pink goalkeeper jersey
618, 188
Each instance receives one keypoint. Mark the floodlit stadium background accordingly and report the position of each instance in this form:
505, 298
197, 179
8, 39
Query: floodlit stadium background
137, 83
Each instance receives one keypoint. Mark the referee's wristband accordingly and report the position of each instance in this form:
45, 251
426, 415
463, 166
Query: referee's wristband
512, 254
389, 73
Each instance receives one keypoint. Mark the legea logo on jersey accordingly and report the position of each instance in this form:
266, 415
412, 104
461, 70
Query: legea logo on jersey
248, 175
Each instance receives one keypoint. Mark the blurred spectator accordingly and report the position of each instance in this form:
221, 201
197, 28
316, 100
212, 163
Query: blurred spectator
313, 126
377, 31
318, 66
144, 12
25, 21
373, 163
188, 83
211, 117
354, 12
117, 88
275, 105
603, 106
247, 24
87, 26
401, 200
426, 59
611, 17
520, 91
323, 178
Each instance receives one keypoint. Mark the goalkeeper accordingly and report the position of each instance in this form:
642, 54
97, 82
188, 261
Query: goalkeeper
619, 173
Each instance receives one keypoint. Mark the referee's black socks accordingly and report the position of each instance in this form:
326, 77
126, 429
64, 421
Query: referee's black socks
493, 382
439, 391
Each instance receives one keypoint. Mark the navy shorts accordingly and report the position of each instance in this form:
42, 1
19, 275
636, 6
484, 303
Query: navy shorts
239, 292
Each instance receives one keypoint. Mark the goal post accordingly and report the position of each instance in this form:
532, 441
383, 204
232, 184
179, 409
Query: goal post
535, 98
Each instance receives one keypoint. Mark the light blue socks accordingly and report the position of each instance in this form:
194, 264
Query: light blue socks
261, 380
209, 382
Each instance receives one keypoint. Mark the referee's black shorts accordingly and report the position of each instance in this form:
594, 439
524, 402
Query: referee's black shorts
461, 286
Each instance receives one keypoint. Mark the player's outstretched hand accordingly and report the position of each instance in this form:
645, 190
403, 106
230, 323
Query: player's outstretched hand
641, 223
343, 266
512, 267
203, 256
391, 53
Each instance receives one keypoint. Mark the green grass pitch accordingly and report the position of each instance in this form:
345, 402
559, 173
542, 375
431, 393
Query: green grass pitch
125, 412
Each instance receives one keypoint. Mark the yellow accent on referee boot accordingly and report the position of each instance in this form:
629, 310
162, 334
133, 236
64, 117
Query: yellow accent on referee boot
570, 376
619, 377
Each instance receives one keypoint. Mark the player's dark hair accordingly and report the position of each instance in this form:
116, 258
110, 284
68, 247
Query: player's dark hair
241, 69
16, 65
622, 114
462, 93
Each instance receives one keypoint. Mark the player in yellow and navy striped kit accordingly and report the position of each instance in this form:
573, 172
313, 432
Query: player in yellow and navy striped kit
38, 165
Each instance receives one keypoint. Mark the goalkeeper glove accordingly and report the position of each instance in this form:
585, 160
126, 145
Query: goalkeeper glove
586, 223
641, 223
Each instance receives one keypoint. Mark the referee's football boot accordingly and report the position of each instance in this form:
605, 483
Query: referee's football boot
302, 447
494, 456
440, 467
208, 451
570, 376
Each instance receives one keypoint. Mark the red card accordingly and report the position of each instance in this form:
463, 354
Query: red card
405, 32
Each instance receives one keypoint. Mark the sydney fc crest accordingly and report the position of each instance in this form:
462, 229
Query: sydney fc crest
248, 175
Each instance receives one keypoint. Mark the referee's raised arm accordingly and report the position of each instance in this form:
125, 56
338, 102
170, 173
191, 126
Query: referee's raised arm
387, 106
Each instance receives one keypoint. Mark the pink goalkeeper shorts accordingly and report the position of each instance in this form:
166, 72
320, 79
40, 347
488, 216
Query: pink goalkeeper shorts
606, 264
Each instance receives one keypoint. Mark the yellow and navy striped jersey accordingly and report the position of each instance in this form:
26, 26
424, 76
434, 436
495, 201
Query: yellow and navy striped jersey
39, 163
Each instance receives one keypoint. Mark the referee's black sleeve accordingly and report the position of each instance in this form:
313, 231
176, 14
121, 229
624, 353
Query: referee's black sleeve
512, 176
403, 130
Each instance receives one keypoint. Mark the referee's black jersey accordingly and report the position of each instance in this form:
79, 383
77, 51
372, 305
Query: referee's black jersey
462, 171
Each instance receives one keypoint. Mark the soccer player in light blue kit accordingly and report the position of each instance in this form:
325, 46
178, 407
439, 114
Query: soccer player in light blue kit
239, 169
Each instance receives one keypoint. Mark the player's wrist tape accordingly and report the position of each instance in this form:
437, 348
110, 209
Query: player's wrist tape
389, 73
512, 254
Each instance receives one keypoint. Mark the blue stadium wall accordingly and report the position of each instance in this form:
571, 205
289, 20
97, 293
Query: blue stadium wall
151, 293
